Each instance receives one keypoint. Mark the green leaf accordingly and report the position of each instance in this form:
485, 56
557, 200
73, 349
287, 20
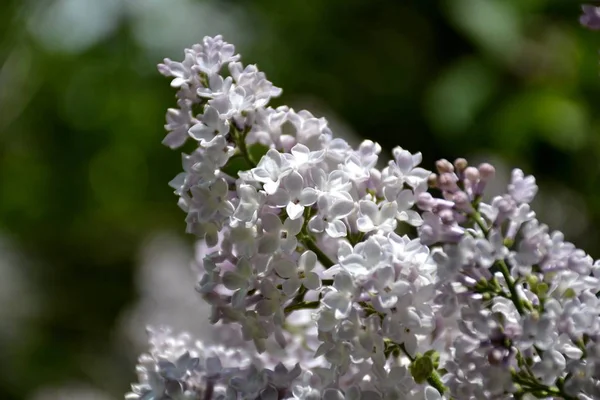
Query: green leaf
434, 356
236, 164
421, 369
257, 151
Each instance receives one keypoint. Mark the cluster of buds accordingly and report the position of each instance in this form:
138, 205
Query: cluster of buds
461, 188
317, 291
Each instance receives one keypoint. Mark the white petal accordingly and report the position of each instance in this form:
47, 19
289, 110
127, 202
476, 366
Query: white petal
220, 187
308, 197
270, 187
336, 229
411, 345
326, 322
285, 268
291, 286
341, 208
289, 244
343, 282
388, 211
572, 352
268, 289
372, 250
266, 308
411, 319
344, 249
364, 224
261, 173
213, 365
201, 132
332, 394
405, 198
177, 182
316, 224
337, 302
300, 152
411, 217
368, 208
271, 223
279, 198
432, 394
293, 183
312, 281
210, 116
386, 301
307, 261
293, 226
268, 244
318, 177
355, 265
316, 156
294, 211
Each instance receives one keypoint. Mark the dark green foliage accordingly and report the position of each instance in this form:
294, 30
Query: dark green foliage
83, 176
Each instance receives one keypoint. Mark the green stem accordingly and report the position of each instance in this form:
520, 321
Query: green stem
511, 286
501, 266
476, 216
299, 298
403, 348
436, 381
540, 390
239, 139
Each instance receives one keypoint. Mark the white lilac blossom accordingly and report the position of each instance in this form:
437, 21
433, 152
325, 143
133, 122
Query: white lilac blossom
317, 291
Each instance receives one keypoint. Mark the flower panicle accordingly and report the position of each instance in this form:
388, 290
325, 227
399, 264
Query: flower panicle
317, 290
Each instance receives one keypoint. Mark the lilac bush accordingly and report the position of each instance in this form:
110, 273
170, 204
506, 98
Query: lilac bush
332, 276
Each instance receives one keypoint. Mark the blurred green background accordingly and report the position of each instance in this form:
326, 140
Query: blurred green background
83, 176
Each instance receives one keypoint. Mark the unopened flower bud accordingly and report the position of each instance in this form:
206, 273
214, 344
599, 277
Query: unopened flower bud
432, 181
444, 166
487, 172
460, 164
447, 216
447, 182
462, 202
472, 174
425, 201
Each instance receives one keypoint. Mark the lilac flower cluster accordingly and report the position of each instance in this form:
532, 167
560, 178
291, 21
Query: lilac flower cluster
319, 290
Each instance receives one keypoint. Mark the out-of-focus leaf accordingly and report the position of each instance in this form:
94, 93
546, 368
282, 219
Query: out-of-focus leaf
458, 95
495, 26
561, 121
